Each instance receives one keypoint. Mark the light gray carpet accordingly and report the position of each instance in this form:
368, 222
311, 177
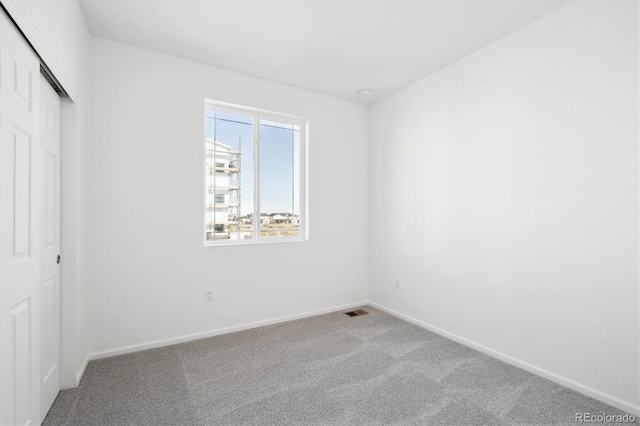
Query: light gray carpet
325, 370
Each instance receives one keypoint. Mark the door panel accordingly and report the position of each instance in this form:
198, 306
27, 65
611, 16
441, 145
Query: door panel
49, 246
20, 229
22, 337
22, 160
50, 198
23, 79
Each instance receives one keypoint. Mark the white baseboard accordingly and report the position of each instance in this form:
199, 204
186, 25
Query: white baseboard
75, 381
210, 333
83, 368
566, 382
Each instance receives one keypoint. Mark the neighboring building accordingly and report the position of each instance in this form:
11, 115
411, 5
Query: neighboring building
223, 191
288, 218
279, 218
264, 218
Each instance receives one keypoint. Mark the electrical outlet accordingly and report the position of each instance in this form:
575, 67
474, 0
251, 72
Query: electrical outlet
208, 295
396, 283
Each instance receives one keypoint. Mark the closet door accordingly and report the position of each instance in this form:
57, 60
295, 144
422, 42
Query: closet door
19, 229
49, 246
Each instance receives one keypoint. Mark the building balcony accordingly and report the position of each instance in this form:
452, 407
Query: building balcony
227, 187
225, 169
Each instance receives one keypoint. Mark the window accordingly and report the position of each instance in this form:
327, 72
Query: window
254, 175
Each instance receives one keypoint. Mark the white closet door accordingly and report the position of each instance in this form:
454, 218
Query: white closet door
49, 246
19, 229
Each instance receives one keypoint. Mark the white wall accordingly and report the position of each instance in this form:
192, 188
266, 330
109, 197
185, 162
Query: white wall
512, 216
58, 32
145, 262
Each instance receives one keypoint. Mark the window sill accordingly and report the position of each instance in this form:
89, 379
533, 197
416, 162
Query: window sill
255, 242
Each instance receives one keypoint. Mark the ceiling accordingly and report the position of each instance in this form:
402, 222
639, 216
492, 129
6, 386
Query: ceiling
334, 47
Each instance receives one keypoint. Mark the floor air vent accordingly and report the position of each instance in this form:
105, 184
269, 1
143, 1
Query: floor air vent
356, 313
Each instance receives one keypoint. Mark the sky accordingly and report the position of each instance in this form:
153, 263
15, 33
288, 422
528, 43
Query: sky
278, 160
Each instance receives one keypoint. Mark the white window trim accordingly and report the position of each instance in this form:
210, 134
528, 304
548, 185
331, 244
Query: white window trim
303, 162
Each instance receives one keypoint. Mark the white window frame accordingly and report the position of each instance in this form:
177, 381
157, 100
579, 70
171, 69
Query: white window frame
303, 161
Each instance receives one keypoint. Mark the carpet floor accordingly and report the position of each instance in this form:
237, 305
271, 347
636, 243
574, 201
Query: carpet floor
325, 370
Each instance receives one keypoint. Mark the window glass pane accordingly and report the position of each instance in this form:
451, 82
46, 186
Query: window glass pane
229, 176
279, 181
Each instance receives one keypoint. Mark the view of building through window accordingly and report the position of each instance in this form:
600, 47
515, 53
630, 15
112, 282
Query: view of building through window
244, 177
